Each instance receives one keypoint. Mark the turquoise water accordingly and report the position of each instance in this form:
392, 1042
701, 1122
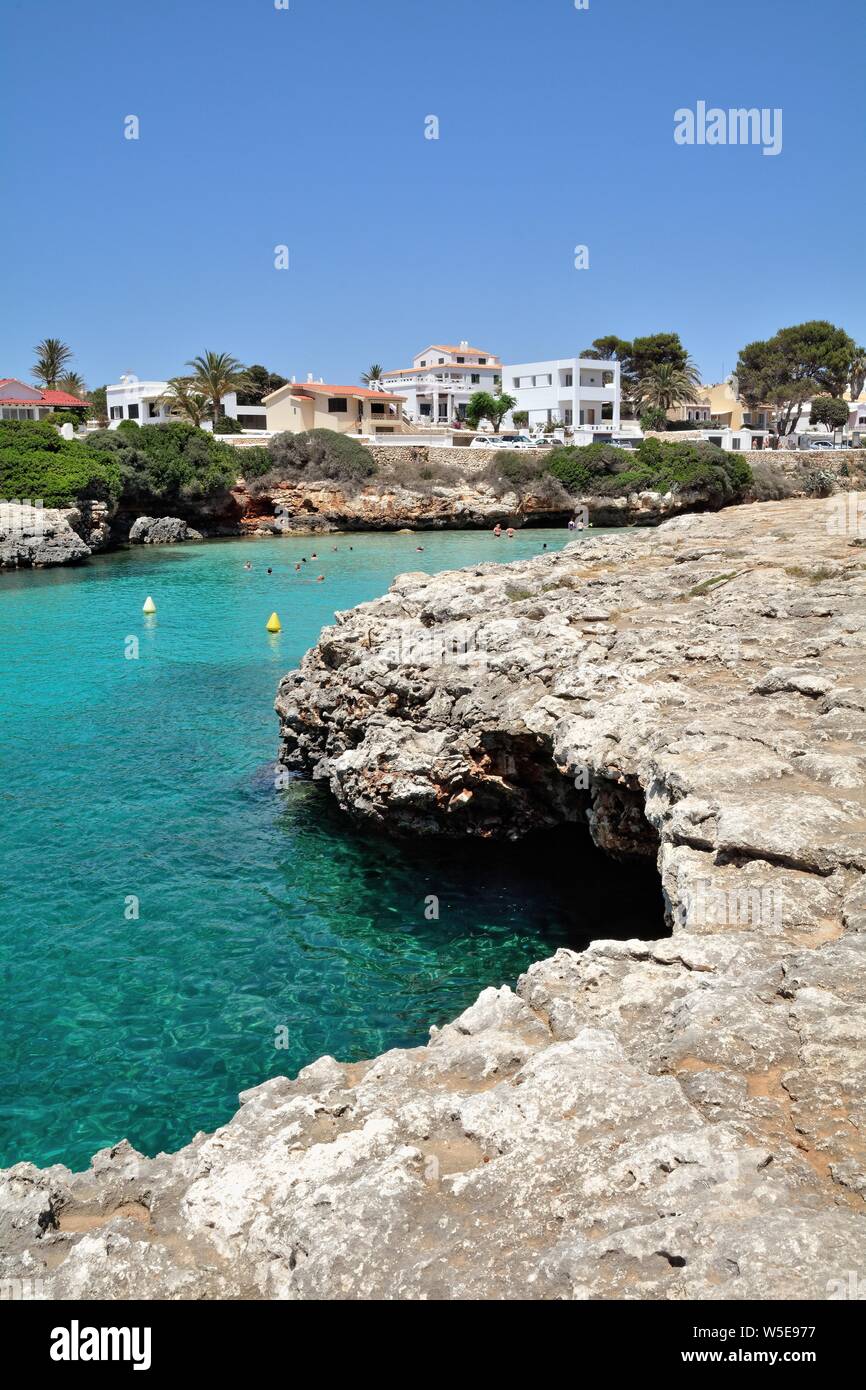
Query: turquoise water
258, 910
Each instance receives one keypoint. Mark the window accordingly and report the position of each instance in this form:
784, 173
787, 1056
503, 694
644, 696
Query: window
423, 364
461, 359
253, 422
515, 382
441, 361
569, 378
475, 378
132, 412
153, 410
337, 405
497, 381
735, 443
116, 412
482, 361
544, 380
377, 408
569, 415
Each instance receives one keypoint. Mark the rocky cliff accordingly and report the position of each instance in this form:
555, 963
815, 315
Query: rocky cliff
675, 1119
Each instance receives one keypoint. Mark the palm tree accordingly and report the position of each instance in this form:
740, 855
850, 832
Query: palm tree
51, 357
666, 385
183, 399
374, 374
857, 375
73, 384
216, 374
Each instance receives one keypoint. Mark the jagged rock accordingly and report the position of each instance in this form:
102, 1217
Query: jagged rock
673, 1119
36, 537
161, 530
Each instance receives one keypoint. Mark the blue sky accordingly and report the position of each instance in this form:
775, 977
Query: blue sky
305, 127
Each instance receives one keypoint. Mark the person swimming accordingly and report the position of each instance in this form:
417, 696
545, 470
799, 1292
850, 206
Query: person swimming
270, 571
247, 566
298, 565
320, 579
510, 533
497, 530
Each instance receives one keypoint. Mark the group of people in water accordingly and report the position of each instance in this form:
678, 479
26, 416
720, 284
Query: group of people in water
573, 525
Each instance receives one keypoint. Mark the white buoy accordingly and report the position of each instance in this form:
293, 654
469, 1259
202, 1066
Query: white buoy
149, 605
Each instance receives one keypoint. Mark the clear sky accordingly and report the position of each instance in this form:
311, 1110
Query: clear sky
305, 127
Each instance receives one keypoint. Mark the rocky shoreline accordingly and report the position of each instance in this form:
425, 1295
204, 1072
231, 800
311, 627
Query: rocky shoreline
675, 1119
31, 538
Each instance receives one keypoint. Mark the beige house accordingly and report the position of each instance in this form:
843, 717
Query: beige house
317, 405
722, 404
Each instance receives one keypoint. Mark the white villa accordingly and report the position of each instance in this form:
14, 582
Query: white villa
144, 401
579, 392
438, 386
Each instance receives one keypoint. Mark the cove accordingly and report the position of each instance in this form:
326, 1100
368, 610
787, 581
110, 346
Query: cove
263, 916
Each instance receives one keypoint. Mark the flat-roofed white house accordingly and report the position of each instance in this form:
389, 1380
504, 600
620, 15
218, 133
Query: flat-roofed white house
579, 392
145, 402
311, 405
441, 381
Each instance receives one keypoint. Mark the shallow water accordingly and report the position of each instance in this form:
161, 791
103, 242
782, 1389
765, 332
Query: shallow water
263, 916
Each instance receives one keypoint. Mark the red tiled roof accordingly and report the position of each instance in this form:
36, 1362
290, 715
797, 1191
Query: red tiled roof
45, 397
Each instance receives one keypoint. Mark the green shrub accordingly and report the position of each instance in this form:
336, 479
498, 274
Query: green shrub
167, 463
66, 417
227, 424
653, 419
37, 463
254, 462
656, 465
515, 469
321, 454
128, 426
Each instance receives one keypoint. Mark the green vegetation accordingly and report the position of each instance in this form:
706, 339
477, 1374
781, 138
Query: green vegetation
794, 366
829, 411
36, 462
656, 466
227, 424
316, 454
52, 355
163, 464
483, 406
653, 418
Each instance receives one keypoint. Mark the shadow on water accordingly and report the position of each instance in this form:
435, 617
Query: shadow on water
428, 916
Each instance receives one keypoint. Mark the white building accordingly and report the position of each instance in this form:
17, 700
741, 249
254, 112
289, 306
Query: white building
579, 392
144, 402
442, 379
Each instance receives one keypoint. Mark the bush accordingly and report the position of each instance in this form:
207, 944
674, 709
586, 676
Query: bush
37, 463
66, 417
320, 454
656, 465
653, 419
514, 469
168, 463
226, 424
128, 426
254, 462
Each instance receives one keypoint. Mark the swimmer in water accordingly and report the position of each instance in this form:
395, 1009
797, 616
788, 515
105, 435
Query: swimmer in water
497, 530
314, 556
298, 565
320, 579
510, 533
270, 571
247, 566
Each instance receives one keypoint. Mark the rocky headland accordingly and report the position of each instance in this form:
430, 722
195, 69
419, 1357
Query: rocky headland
673, 1119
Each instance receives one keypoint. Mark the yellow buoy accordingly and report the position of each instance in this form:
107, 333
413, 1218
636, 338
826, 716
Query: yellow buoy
149, 605
274, 624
